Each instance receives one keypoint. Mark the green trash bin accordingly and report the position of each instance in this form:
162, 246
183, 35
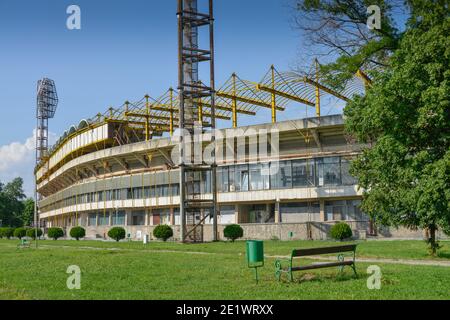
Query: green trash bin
255, 255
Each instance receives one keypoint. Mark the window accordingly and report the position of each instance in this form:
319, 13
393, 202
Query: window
241, 179
347, 179
303, 173
329, 172
231, 177
138, 218
256, 180
92, 219
118, 218
137, 193
300, 212
103, 218
281, 174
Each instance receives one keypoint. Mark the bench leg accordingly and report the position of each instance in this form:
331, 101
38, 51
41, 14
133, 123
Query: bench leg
354, 269
278, 270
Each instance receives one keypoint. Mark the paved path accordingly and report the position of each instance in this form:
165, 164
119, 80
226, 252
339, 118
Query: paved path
413, 262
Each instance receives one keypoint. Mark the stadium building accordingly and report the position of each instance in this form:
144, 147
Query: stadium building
290, 179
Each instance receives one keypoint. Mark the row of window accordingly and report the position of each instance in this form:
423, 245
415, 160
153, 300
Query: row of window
330, 171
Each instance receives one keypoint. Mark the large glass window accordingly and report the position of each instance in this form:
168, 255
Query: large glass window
137, 193
103, 218
256, 182
92, 219
300, 212
241, 179
281, 175
138, 218
118, 218
231, 177
347, 178
328, 171
303, 173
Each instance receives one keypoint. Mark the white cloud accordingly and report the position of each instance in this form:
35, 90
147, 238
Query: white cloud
17, 159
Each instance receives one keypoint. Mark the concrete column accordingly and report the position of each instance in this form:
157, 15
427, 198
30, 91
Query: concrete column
146, 218
322, 211
96, 219
127, 216
277, 211
110, 218
236, 213
172, 216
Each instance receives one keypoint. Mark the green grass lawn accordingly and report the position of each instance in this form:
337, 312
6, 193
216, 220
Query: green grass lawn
169, 271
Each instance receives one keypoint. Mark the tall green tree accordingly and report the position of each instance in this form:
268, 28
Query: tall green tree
404, 118
28, 212
11, 203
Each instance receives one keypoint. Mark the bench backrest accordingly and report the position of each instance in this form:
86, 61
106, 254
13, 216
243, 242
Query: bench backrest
323, 250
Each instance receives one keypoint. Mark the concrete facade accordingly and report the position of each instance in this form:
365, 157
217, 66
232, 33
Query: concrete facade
296, 190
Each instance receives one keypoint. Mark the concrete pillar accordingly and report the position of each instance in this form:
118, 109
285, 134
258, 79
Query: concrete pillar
322, 211
96, 219
127, 217
236, 213
146, 218
277, 211
110, 218
172, 216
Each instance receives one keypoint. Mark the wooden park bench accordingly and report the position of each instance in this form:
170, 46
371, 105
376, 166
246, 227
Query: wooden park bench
341, 262
24, 243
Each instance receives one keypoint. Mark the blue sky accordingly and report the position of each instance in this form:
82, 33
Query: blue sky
124, 50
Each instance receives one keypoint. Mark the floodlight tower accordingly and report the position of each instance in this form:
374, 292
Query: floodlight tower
194, 206
46, 103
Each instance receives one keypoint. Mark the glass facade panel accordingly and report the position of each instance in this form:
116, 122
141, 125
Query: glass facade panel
92, 219
328, 171
137, 218
281, 175
303, 172
103, 219
118, 218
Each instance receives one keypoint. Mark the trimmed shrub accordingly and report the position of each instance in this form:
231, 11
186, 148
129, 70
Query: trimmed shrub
55, 233
163, 232
117, 233
8, 233
77, 233
20, 232
31, 233
233, 232
341, 231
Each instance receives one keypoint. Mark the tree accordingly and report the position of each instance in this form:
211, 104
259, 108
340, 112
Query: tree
11, 205
338, 29
28, 212
117, 233
405, 120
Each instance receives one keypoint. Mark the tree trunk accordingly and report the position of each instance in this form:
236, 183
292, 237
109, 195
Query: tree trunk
432, 239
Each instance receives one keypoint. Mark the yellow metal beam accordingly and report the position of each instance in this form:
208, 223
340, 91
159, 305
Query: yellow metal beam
326, 89
364, 77
285, 95
248, 100
274, 97
316, 62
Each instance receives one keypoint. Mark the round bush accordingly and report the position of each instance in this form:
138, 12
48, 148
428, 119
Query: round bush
77, 232
31, 233
341, 231
163, 232
233, 232
117, 233
20, 232
55, 233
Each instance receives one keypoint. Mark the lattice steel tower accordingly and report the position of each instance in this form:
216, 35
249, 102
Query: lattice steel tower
198, 194
47, 101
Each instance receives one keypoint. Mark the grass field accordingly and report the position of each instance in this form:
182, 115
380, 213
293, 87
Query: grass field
209, 271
